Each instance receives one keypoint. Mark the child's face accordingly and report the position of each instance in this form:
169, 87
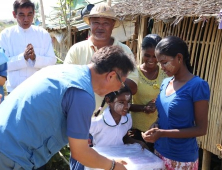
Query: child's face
121, 104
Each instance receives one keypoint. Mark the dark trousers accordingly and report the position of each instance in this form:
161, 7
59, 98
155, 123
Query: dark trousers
75, 165
42, 168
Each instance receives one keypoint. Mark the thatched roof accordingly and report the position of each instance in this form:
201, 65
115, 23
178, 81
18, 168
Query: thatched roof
167, 9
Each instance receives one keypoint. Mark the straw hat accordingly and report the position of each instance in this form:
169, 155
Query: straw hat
102, 10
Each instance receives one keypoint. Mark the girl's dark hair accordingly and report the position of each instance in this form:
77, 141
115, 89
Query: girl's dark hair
148, 42
23, 4
173, 45
112, 97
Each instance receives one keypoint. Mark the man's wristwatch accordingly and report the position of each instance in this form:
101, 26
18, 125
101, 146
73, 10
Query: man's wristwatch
113, 164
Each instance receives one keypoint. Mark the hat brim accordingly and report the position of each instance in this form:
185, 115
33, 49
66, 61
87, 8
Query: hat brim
86, 19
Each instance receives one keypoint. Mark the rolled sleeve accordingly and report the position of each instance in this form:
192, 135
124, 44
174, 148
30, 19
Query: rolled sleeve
134, 76
78, 105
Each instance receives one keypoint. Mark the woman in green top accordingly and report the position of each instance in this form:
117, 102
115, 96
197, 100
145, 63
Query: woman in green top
143, 108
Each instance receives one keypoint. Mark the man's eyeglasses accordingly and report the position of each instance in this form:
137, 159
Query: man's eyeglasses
119, 78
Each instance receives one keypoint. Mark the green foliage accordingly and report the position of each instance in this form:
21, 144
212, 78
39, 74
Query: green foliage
4, 25
57, 162
59, 62
63, 12
37, 6
1, 24
37, 14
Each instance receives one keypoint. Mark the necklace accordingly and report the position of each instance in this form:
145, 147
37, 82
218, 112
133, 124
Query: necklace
144, 71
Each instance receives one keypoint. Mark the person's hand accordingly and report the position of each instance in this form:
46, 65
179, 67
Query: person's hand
150, 107
120, 164
89, 142
131, 133
0, 98
29, 52
151, 135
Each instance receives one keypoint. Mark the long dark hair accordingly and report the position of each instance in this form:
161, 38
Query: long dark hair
148, 42
156, 37
173, 45
112, 97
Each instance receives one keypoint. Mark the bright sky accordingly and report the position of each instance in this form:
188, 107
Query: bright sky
7, 8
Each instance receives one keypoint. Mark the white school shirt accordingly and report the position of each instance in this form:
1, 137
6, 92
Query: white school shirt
14, 41
106, 132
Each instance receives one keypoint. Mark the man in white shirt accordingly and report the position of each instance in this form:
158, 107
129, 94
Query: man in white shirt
28, 47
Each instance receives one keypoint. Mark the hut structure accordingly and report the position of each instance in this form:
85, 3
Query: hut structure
60, 37
65, 35
197, 23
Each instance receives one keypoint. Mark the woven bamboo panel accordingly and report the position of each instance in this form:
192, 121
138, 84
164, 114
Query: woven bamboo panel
205, 45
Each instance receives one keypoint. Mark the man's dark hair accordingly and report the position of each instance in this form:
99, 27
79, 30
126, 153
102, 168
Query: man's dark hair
108, 58
23, 4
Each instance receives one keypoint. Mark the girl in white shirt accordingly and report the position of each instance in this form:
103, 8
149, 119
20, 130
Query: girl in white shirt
110, 128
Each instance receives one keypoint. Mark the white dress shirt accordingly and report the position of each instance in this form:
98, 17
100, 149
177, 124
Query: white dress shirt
14, 41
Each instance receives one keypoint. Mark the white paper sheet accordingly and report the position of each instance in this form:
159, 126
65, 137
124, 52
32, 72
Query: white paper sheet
134, 155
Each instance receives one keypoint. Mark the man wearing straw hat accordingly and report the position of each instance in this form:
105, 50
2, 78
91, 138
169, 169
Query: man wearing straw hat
102, 21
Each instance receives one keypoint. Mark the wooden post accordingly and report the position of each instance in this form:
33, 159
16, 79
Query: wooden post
69, 41
206, 160
109, 2
42, 13
142, 23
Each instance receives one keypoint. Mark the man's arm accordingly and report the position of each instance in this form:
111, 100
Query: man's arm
132, 85
70, 56
87, 156
2, 80
79, 105
16, 62
48, 56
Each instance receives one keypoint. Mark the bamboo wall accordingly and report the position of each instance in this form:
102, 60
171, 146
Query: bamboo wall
205, 46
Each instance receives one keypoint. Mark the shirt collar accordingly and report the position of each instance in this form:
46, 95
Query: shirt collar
24, 30
94, 48
108, 119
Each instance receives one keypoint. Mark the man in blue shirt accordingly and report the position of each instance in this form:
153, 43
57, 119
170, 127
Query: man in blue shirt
57, 109
3, 72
